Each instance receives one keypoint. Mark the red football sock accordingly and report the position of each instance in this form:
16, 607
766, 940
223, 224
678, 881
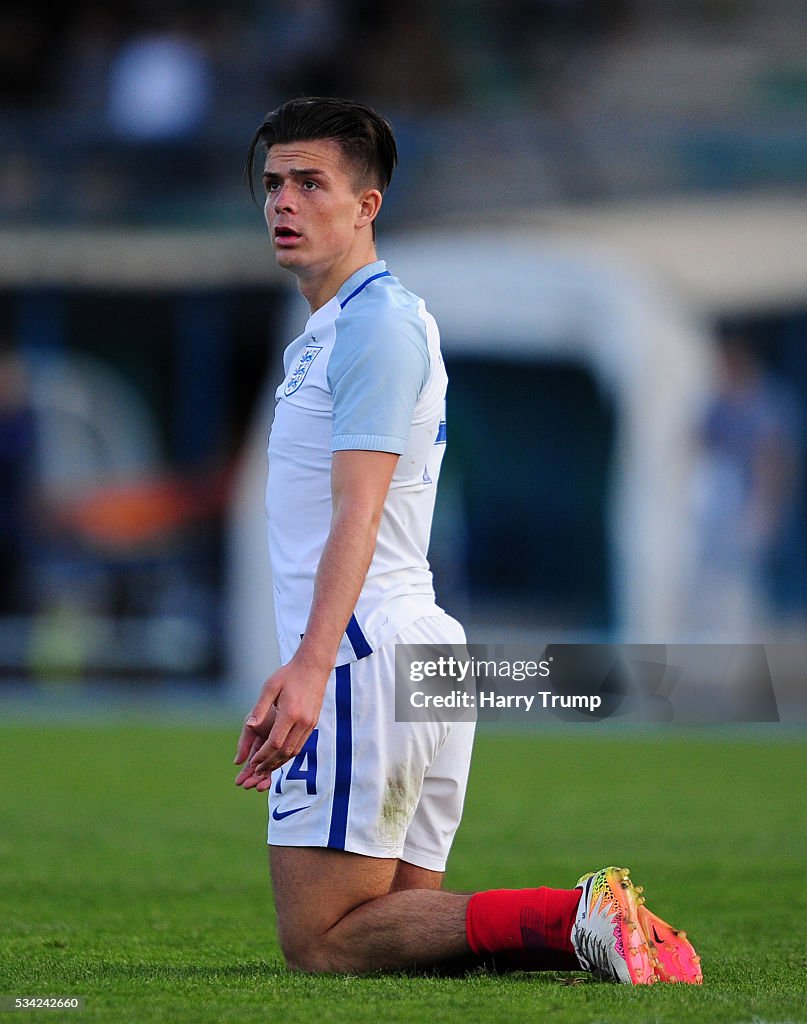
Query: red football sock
532, 927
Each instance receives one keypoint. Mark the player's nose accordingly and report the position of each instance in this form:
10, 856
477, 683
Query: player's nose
282, 199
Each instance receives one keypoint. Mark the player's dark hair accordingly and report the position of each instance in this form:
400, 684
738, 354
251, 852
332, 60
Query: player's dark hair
365, 138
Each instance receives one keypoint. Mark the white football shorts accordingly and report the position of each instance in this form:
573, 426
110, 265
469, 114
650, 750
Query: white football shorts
368, 784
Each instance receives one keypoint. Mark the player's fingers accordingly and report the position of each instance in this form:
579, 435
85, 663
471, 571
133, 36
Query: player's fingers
291, 746
247, 769
265, 758
269, 720
247, 775
276, 750
251, 781
250, 739
297, 737
245, 744
262, 714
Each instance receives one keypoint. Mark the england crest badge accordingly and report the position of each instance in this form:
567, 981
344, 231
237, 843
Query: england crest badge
296, 378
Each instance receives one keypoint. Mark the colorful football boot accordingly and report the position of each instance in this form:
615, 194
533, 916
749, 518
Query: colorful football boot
674, 956
606, 935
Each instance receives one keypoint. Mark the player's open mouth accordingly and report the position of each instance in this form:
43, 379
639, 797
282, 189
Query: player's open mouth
284, 236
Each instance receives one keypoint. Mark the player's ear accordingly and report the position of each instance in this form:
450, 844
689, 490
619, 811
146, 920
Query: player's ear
369, 204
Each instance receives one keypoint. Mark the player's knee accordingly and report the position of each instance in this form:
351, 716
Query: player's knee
302, 951
313, 954
309, 957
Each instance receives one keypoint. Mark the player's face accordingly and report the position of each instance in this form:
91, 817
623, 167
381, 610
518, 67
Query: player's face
312, 205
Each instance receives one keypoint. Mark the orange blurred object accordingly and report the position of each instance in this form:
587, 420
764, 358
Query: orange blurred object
145, 513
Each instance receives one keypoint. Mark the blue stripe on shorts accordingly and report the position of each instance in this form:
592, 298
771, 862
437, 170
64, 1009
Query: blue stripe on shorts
344, 759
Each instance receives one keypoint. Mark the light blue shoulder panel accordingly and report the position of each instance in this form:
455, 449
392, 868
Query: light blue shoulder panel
378, 367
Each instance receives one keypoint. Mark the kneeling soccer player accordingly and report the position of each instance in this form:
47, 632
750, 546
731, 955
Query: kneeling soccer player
363, 809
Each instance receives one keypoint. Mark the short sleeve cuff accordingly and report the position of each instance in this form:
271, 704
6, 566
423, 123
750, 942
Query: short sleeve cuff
368, 443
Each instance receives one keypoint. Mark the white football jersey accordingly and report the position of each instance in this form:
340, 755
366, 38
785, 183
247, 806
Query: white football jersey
366, 374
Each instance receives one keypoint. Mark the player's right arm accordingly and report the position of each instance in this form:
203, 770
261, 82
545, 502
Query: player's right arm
289, 704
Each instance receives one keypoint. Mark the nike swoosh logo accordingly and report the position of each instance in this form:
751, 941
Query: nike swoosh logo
280, 815
657, 937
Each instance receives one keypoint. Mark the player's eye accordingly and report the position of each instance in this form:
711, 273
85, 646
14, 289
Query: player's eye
309, 186
271, 186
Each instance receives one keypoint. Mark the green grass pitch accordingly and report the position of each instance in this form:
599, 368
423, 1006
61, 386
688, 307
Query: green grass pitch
133, 873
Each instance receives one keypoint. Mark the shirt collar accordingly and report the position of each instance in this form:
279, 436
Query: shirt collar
356, 280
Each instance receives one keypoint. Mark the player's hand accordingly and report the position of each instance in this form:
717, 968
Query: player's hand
249, 742
280, 723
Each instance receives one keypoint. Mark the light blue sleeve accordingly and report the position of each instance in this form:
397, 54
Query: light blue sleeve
377, 369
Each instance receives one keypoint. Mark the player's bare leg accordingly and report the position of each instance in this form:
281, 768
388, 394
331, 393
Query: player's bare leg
342, 912
410, 876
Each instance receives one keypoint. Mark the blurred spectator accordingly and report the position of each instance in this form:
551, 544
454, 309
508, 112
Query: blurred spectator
17, 474
160, 83
745, 493
160, 97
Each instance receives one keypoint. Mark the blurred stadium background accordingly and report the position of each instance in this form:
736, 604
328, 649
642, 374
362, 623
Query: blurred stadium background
602, 202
